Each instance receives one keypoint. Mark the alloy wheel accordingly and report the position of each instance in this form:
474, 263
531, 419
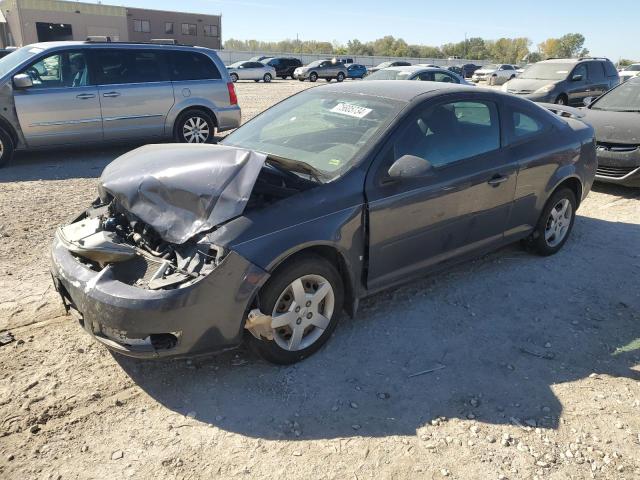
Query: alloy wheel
558, 222
302, 312
196, 130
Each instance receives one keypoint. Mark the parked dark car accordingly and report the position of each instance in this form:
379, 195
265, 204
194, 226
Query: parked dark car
616, 119
327, 197
565, 81
456, 69
398, 63
355, 70
284, 66
469, 69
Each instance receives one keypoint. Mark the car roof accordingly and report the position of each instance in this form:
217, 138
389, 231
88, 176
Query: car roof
50, 45
412, 68
405, 90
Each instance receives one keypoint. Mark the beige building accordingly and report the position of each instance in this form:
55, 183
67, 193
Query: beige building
28, 21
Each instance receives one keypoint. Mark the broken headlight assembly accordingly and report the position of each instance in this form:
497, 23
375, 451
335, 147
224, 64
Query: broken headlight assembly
105, 237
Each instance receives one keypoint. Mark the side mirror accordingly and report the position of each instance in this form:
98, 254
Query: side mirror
409, 166
22, 80
576, 78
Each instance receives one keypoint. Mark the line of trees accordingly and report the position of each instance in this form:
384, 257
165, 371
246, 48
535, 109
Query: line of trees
503, 50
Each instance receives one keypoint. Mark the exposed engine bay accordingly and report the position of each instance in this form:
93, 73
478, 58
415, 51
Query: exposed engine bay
107, 235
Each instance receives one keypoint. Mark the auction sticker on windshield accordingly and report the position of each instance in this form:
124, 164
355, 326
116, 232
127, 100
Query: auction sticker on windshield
351, 110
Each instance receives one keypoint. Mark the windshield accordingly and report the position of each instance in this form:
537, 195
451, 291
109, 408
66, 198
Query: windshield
16, 57
633, 68
384, 65
315, 64
625, 98
389, 75
324, 130
547, 71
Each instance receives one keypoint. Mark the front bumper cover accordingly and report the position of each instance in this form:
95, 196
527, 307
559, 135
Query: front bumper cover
621, 167
207, 316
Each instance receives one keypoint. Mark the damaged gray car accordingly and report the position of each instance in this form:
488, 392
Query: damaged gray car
333, 194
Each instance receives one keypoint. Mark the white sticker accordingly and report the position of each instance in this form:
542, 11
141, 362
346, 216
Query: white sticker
36, 50
351, 110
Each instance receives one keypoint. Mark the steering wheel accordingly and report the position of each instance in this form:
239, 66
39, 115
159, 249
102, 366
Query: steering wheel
34, 74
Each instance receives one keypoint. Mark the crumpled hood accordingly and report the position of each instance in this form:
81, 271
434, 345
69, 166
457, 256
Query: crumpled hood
528, 84
181, 190
614, 127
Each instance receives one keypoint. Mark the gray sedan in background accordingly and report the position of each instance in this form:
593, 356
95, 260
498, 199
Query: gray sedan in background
416, 72
251, 71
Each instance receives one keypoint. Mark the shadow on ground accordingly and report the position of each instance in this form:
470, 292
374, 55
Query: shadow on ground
501, 331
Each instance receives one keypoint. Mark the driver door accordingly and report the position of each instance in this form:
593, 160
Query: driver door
461, 205
62, 107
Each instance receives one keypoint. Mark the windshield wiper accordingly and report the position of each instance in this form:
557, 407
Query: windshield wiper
298, 166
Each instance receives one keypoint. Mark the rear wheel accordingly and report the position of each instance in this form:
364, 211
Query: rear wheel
555, 224
6, 147
194, 126
234, 77
304, 299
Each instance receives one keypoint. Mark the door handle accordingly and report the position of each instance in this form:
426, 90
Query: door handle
111, 94
497, 180
85, 96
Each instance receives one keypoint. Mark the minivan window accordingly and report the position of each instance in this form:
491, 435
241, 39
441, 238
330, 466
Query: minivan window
596, 71
60, 69
192, 66
609, 69
129, 66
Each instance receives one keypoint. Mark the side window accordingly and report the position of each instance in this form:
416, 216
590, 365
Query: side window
444, 77
525, 125
62, 69
192, 66
610, 69
129, 66
596, 71
434, 134
425, 76
580, 70
507, 67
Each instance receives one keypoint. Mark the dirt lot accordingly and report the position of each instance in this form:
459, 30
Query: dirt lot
532, 364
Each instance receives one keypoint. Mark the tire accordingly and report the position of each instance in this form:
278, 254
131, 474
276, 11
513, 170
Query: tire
234, 77
561, 100
6, 147
545, 239
328, 79
340, 77
195, 119
284, 77
313, 76
301, 79
256, 81
267, 78
277, 294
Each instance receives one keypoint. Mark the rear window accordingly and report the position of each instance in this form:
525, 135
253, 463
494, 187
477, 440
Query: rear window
192, 66
596, 71
610, 70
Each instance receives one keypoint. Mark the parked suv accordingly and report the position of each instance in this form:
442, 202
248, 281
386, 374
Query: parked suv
326, 69
565, 81
284, 66
67, 93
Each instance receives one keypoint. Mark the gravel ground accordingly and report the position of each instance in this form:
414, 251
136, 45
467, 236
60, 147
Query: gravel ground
510, 366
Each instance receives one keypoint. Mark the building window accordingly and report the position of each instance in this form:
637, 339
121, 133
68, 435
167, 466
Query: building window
168, 27
141, 26
189, 29
210, 30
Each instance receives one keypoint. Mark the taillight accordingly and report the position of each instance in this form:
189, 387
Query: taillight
233, 98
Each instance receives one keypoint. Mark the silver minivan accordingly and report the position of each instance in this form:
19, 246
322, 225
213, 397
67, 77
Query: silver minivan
70, 93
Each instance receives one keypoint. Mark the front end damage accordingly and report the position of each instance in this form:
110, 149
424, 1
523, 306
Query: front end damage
139, 268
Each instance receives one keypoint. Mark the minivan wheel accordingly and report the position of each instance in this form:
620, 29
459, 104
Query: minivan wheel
561, 100
195, 126
305, 300
340, 77
6, 147
313, 77
555, 224
267, 78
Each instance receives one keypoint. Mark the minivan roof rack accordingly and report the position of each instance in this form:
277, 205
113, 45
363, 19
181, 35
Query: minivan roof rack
593, 58
164, 41
98, 39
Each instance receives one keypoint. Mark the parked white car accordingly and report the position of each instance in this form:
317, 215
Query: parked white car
629, 71
494, 74
251, 71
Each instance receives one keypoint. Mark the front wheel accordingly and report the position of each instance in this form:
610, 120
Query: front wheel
555, 224
340, 77
194, 126
561, 100
313, 77
6, 147
304, 299
267, 78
